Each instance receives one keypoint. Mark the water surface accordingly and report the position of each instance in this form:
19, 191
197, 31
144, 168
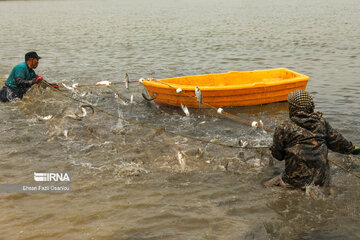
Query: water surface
127, 182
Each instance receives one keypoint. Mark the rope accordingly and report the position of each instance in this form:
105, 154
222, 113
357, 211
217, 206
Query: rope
97, 85
101, 85
179, 134
87, 85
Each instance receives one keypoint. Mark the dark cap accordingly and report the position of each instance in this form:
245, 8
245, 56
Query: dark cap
31, 55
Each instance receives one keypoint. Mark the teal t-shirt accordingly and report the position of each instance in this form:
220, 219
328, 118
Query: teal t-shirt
20, 70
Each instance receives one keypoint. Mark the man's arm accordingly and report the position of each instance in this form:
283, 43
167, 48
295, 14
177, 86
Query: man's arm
278, 148
23, 83
336, 142
20, 79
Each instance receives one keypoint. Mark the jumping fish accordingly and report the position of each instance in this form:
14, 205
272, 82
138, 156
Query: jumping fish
145, 96
106, 83
45, 118
88, 106
181, 159
74, 116
122, 100
80, 116
185, 109
243, 144
198, 95
126, 80
261, 124
83, 94
66, 133
83, 111
67, 87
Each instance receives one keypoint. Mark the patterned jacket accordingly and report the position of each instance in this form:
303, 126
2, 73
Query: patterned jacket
303, 142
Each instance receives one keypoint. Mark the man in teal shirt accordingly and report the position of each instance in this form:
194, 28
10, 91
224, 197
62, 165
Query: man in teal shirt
21, 78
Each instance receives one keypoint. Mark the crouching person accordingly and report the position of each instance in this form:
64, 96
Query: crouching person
303, 141
22, 77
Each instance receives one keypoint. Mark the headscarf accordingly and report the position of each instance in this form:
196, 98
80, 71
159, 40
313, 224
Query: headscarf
300, 101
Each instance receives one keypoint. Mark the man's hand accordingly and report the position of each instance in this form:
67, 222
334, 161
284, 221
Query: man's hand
54, 85
38, 79
356, 151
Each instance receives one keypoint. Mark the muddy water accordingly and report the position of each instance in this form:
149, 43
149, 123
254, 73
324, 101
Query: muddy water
126, 179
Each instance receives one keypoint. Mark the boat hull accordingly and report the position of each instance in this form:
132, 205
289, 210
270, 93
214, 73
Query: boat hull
267, 86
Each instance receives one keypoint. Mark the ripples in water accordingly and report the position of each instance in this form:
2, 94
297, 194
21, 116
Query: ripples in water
127, 182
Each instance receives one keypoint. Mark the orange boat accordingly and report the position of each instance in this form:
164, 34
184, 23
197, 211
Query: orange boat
227, 89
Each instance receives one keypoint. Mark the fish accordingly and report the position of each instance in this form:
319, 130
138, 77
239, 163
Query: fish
122, 100
84, 94
243, 144
88, 106
106, 83
198, 95
45, 118
261, 124
80, 116
66, 133
132, 99
148, 99
126, 80
74, 116
67, 87
181, 159
83, 111
185, 109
